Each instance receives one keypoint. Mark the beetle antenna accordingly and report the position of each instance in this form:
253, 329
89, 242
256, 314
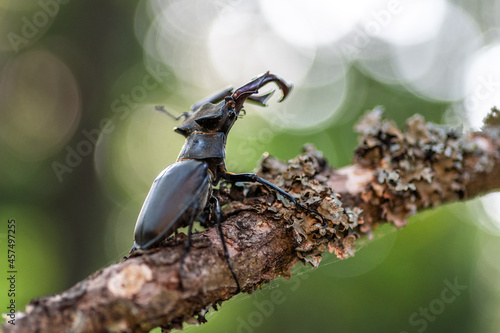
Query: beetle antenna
161, 108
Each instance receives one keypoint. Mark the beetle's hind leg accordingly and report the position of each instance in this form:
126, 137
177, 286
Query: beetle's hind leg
218, 213
217, 216
187, 247
250, 177
204, 218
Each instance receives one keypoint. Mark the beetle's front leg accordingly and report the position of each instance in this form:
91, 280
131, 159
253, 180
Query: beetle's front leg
219, 96
250, 177
214, 98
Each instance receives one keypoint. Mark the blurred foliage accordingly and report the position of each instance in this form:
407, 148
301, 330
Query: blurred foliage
81, 84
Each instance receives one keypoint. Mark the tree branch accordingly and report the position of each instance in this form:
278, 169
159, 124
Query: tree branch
395, 174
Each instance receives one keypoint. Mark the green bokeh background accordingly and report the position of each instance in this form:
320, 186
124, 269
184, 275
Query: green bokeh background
68, 229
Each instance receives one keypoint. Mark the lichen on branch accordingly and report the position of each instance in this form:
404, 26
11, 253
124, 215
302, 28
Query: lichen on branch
423, 166
305, 177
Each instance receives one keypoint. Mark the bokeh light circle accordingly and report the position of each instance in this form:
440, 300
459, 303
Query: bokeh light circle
40, 103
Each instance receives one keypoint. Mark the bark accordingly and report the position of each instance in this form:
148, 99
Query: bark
394, 175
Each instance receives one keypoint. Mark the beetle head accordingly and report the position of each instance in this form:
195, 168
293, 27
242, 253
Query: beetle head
213, 118
207, 118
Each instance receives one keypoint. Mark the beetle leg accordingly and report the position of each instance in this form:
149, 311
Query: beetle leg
214, 98
250, 177
217, 213
204, 219
187, 247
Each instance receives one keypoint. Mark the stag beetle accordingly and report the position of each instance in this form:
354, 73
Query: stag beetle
183, 190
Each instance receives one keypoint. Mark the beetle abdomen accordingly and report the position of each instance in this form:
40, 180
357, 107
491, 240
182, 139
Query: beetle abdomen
177, 197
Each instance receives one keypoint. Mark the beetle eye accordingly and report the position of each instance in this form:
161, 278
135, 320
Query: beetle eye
230, 103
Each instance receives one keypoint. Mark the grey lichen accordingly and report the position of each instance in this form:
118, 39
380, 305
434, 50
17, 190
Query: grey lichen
406, 163
305, 179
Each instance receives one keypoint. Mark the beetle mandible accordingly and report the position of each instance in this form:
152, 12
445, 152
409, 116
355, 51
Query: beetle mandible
183, 190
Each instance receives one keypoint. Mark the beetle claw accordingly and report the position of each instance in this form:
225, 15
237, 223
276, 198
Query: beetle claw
262, 99
252, 87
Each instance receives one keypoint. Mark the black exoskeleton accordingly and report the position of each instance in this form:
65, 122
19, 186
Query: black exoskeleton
183, 190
